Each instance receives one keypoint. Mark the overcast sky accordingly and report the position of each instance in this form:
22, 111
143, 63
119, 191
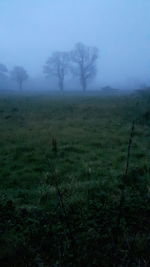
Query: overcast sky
31, 29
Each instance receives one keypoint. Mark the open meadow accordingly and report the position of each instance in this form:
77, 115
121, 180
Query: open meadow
65, 199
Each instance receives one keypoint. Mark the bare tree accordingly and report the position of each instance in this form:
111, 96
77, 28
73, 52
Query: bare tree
57, 65
84, 59
20, 75
3, 69
3, 74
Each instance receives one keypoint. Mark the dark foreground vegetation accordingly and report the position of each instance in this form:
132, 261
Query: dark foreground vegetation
75, 180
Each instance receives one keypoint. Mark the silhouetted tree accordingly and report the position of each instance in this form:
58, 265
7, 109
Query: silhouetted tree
20, 75
3, 75
57, 65
84, 59
3, 69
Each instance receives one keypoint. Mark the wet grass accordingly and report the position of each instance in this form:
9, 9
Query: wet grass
92, 134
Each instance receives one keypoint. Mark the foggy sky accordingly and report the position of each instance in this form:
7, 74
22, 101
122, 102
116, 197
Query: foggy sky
30, 30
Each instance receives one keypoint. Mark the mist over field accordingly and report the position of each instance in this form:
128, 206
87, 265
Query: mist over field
30, 31
75, 133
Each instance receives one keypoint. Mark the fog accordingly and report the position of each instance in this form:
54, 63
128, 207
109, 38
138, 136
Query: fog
30, 30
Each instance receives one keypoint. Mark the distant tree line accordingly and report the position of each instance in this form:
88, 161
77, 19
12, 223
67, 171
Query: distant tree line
80, 62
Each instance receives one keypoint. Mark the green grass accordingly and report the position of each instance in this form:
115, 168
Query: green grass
92, 134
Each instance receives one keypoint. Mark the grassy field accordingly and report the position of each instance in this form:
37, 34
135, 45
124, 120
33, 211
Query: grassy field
64, 198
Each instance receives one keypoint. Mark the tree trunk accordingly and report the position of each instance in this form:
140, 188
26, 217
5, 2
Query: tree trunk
83, 78
83, 83
61, 84
20, 86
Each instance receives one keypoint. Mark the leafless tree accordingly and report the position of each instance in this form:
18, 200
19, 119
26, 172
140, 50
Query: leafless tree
20, 75
84, 59
57, 65
3, 75
3, 69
